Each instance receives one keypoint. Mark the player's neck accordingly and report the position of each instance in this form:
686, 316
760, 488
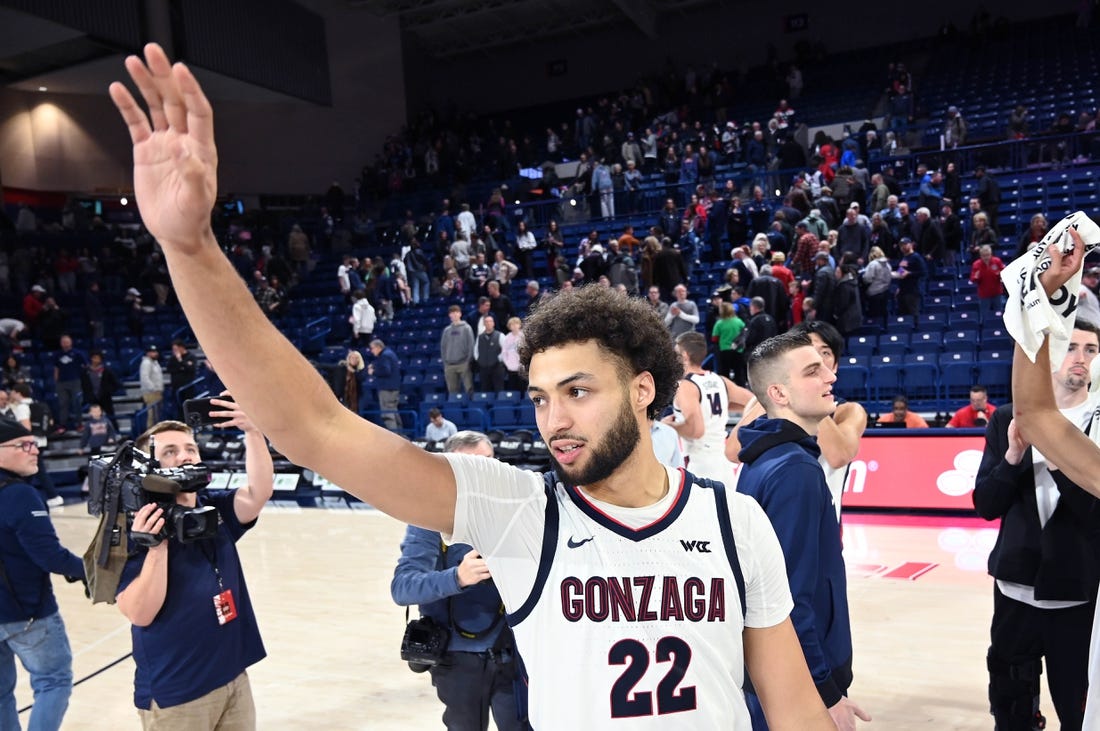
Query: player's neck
810, 425
640, 480
696, 369
1068, 399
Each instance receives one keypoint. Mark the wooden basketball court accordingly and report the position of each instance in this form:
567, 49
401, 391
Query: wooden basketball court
319, 578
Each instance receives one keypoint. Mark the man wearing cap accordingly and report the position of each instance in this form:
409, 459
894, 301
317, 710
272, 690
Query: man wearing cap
911, 270
33, 304
30, 625
1088, 307
152, 384
954, 128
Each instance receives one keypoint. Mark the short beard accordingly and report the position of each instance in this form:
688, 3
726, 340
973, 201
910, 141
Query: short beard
1075, 383
606, 457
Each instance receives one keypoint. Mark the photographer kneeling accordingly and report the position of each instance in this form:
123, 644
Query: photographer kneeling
194, 630
476, 671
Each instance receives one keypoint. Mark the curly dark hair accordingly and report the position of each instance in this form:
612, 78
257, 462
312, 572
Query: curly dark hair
626, 327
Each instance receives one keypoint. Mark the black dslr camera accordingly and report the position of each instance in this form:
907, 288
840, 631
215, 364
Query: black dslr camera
130, 479
424, 643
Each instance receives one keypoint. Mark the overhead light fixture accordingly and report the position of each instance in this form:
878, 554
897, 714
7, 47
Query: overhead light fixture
42, 88
124, 200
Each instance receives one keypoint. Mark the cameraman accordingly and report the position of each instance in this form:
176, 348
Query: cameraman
30, 625
452, 585
194, 631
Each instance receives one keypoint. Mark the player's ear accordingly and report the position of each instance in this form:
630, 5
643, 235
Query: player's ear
777, 393
643, 389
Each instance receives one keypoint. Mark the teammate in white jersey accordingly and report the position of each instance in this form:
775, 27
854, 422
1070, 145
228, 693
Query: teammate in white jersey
618, 576
701, 410
838, 436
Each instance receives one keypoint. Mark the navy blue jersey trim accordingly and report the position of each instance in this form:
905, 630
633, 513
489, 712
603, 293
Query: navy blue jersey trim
625, 531
689, 379
722, 505
546, 559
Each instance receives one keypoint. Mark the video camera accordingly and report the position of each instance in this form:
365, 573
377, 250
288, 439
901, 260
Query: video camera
130, 479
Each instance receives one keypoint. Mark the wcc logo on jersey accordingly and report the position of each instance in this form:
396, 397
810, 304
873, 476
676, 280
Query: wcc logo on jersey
697, 546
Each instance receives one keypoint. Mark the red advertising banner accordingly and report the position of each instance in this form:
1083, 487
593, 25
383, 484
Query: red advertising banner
920, 472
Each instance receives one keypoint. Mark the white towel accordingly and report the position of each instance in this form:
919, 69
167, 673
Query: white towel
1030, 314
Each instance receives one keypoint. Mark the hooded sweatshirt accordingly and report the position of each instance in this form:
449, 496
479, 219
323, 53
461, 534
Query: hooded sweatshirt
780, 470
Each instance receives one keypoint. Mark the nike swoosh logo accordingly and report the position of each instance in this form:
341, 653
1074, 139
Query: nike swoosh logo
577, 544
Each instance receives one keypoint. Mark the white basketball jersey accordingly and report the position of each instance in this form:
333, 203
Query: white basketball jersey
641, 626
707, 454
835, 479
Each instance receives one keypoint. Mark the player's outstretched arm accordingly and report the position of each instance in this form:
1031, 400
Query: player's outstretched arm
782, 679
175, 183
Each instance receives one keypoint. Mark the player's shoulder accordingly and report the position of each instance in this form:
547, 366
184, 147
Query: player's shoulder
746, 517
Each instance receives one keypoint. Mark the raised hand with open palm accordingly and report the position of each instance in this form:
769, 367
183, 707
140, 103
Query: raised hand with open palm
175, 160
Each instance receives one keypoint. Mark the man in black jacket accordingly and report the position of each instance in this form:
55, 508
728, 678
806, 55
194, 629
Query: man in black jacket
823, 286
774, 293
1044, 563
30, 625
181, 365
988, 192
99, 383
761, 325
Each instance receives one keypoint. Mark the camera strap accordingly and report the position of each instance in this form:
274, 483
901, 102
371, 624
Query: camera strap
468, 634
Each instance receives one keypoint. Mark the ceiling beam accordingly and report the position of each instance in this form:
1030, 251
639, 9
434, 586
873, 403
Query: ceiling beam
642, 13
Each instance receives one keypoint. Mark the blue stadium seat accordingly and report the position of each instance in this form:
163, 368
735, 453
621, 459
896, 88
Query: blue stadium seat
412, 384
964, 320
932, 321
900, 324
886, 377
956, 378
862, 345
991, 343
922, 384
893, 344
503, 415
996, 376
851, 382
957, 341
956, 356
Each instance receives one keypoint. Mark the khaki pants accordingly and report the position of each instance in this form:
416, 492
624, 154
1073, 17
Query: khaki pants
228, 708
152, 401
